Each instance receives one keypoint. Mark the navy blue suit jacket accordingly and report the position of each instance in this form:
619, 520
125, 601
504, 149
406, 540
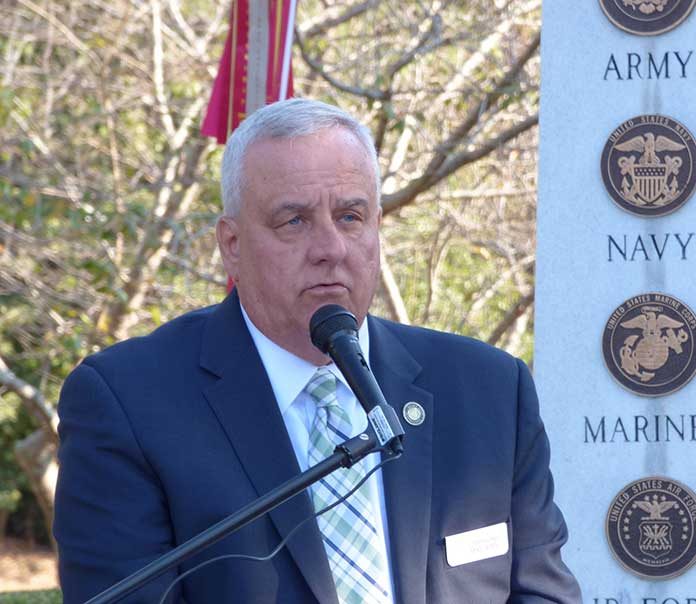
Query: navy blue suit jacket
164, 435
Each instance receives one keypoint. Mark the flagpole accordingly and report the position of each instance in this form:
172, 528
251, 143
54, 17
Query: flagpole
287, 55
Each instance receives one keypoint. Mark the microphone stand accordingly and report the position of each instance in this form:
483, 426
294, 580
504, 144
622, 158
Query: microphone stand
345, 455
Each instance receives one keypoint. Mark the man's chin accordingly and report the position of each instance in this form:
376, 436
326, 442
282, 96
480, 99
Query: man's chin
314, 301
344, 302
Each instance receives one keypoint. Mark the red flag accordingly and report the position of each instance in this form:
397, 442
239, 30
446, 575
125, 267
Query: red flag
255, 66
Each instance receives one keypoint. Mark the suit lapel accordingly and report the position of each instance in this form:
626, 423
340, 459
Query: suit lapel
244, 403
408, 480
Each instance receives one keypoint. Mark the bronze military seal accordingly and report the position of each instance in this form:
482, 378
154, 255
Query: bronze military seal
648, 165
647, 17
650, 527
648, 344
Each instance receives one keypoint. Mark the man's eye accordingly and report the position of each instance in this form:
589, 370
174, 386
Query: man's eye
295, 220
349, 218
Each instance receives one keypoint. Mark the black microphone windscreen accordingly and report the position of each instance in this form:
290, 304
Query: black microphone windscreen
327, 321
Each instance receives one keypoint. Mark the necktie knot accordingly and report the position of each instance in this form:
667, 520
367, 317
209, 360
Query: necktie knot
330, 418
322, 388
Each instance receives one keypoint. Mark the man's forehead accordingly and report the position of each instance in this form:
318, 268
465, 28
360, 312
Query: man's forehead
337, 135
328, 159
323, 154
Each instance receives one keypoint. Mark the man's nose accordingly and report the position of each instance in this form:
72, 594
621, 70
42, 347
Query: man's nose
327, 243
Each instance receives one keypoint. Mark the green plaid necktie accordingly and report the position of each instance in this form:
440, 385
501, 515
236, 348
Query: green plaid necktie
348, 530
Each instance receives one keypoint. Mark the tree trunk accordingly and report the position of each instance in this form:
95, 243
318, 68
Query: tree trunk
36, 455
4, 515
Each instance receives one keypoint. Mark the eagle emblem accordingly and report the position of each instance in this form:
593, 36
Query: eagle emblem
649, 180
655, 529
647, 7
651, 349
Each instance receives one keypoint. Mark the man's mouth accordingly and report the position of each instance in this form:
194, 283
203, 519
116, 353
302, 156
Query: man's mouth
327, 289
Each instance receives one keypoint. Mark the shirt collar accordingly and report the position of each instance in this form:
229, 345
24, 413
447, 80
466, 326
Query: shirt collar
287, 372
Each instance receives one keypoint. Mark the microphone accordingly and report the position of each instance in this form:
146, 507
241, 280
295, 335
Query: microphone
334, 331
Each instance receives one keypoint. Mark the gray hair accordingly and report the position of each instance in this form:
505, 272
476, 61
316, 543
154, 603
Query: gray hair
285, 119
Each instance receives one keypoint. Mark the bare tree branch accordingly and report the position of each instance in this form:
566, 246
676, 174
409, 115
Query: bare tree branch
32, 399
447, 166
491, 98
510, 318
189, 267
368, 93
158, 72
66, 31
315, 27
431, 38
438, 249
395, 302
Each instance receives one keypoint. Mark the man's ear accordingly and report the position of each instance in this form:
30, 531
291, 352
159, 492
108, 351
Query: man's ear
227, 233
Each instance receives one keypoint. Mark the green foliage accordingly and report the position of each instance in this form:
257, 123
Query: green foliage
9, 499
446, 278
14, 425
32, 597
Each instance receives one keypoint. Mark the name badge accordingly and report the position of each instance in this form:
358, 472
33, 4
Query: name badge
479, 544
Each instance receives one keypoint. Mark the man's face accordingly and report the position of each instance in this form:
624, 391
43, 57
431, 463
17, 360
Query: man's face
306, 234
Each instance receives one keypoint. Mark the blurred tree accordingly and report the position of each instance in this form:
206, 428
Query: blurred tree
11, 477
108, 194
450, 90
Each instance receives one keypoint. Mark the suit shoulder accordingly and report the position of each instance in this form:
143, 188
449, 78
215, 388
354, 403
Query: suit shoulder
176, 338
426, 344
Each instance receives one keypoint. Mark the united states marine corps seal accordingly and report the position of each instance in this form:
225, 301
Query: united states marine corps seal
647, 17
648, 165
648, 344
650, 527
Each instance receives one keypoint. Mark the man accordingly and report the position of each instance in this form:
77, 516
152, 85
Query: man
165, 435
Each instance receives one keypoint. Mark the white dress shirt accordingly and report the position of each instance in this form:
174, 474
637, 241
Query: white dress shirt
289, 374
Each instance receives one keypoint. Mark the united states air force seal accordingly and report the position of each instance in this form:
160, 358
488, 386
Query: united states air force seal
648, 344
650, 527
648, 165
647, 17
